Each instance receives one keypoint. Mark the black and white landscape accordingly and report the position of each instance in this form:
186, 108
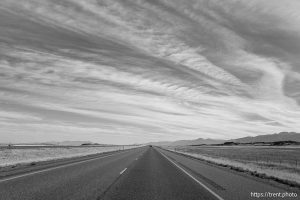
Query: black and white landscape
105, 99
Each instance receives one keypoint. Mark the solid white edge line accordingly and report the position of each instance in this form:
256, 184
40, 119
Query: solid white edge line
123, 171
52, 168
200, 183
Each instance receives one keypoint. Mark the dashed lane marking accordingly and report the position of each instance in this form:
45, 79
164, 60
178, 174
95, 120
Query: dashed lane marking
123, 171
52, 168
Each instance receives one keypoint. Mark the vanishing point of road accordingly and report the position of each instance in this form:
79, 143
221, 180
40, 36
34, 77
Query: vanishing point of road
146, 173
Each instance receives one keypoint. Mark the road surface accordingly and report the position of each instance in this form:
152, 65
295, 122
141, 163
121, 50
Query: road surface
146, 173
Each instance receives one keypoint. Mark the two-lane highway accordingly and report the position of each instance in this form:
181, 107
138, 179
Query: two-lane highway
81, 180
154, 177
139, 174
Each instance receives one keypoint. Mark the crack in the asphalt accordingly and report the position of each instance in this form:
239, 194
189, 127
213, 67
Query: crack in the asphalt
108, 188
114, 182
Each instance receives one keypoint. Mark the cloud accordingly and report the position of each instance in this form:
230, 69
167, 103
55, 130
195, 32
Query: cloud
4, 115
149, 70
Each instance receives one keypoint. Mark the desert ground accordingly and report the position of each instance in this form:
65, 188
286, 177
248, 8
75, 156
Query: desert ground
279, 163
30, 154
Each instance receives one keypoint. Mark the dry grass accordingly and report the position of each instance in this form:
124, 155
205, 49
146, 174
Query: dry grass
37, 154
279, 163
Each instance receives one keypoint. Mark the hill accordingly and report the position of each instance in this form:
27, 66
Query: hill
271, 138
198, 141
282, 136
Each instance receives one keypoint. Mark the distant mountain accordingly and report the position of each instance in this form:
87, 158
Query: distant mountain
282, 136
162, 143
277, 137
198, 141
69, 143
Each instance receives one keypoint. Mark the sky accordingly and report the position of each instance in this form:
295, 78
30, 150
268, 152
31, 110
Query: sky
135, 71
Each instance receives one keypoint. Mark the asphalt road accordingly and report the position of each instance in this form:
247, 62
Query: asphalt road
80, 180
137, 174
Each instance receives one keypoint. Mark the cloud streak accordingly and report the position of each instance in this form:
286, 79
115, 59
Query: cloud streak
137, 71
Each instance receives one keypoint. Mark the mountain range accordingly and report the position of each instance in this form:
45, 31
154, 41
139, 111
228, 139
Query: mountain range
282, 136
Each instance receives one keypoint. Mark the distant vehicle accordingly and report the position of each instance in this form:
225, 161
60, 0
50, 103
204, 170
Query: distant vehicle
150, 145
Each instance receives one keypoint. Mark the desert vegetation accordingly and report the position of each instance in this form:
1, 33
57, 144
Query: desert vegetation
279, 163
10, 155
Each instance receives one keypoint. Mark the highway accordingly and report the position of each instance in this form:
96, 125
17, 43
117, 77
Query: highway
147, 173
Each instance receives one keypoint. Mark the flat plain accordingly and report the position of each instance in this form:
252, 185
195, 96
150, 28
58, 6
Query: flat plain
282, 163
31, 154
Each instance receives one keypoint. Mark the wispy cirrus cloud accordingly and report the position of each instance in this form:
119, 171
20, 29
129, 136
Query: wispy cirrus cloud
148, 70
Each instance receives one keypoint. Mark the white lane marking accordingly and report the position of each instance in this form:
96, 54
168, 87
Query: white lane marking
200, 183
123, 171
52, 168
